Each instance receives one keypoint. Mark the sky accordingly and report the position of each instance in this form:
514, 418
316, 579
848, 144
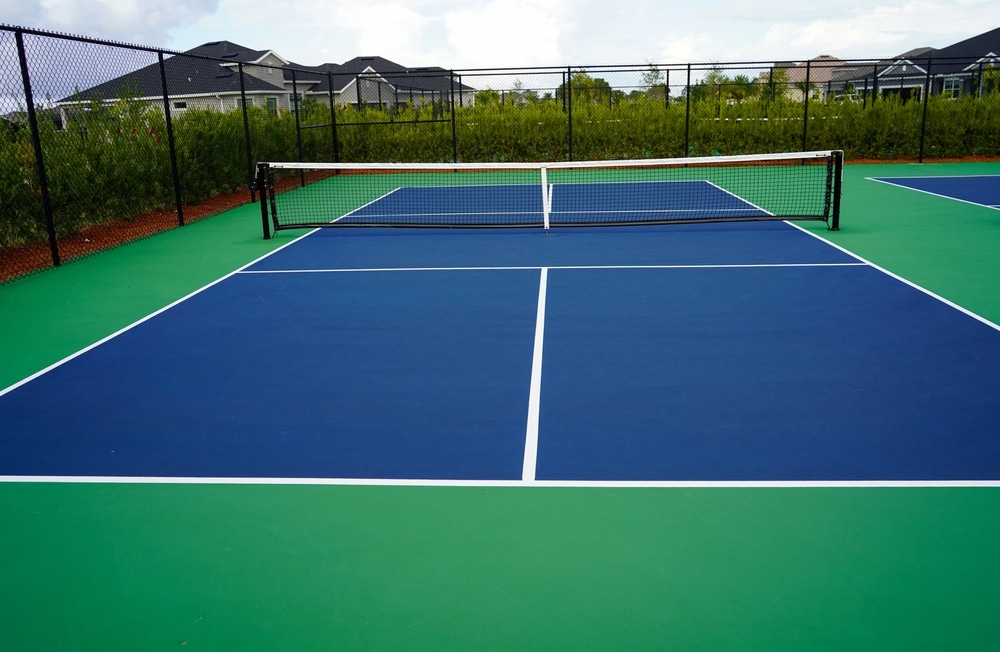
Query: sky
467, 34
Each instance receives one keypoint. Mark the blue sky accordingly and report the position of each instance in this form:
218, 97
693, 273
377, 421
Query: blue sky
463, 34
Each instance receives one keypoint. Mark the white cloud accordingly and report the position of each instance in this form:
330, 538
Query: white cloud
381, 28
515, 32
510, 33
692, 47
147, 22
884, 30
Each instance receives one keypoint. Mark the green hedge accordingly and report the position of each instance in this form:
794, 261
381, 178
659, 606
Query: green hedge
112, 163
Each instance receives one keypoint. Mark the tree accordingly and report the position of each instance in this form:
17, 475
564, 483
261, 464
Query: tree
990, 79
521, 96
740, 88
710, 86
776, 84
804, 87
488, 97
653, 81
586, 89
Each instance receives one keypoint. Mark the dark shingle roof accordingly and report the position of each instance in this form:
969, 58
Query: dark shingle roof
967, 52
186, 75
199, 71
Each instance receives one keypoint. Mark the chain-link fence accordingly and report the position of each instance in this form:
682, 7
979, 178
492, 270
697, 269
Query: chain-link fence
103, 143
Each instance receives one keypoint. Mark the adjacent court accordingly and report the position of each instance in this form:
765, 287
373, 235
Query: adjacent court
983, 190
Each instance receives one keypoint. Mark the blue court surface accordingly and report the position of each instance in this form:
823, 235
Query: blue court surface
708, 352
982, 190
642, 201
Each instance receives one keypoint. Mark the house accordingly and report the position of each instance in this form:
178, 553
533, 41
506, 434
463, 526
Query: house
817, 73
374, 80
208, 77
971, 66
903, 74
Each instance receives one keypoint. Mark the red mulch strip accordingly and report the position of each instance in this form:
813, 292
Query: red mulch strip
25, 259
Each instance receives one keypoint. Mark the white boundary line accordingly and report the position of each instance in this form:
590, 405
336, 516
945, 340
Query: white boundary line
888, 181
146, 318
359, 208
348, 270
599, 484
535, 385
913, 285
738, 198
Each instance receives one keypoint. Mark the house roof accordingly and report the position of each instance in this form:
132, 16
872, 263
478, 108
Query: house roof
820, 69
976, 46
967, 52
186, 75
858, 70
427, 79
953, 59
211, 69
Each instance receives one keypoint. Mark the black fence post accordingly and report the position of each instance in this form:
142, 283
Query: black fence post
923, 118
246, 134
569, 111
805, 107
687, 113
454, 125
296, 107
36, 143
333, 117
666, 90
171, 145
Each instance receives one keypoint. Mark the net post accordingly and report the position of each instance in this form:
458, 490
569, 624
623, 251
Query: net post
546, 207
838, 177
263, 190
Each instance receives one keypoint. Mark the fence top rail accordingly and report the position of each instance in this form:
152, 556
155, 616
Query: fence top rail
84, 39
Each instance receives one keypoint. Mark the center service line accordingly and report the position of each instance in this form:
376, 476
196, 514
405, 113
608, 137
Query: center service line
535, 389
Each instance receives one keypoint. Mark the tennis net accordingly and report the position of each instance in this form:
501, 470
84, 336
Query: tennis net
799, 185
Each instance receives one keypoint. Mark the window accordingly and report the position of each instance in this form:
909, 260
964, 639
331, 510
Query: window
241, 103
294, 100
272, 105
180, 105
952, 87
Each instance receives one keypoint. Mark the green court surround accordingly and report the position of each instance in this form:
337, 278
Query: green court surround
234, 567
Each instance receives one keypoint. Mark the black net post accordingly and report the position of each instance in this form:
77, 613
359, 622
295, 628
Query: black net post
262, 188
836, 179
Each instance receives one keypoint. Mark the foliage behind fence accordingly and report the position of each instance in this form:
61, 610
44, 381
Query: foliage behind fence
112, 170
